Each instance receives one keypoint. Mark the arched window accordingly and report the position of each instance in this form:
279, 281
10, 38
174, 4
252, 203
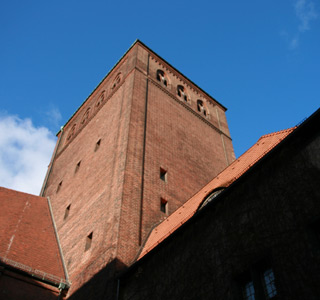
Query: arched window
116, 80
71, 132
85, 116
101, 98
161, 76
181, 93
213, 194
201, 108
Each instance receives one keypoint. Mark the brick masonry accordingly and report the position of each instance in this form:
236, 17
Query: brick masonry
109, 193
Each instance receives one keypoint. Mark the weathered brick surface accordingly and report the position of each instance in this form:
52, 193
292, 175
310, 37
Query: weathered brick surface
115, 193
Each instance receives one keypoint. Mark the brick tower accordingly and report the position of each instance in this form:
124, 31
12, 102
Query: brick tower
142, 143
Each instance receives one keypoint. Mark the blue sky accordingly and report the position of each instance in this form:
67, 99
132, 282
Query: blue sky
260, 59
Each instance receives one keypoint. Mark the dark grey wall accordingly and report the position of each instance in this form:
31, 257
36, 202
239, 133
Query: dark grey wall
266, 215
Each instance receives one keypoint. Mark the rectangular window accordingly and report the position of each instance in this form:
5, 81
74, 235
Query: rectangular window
88, 241
164, 205
163, 174
270, 290
248, 291
59, 187
67, 211
77, 166
97, 145
258, 283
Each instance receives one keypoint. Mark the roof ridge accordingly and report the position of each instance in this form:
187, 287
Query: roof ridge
5, 188
277, 132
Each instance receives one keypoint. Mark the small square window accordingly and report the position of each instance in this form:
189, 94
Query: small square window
77, 166
164, 205
59, 187
88, 241
97, 145
67, 211
163, 174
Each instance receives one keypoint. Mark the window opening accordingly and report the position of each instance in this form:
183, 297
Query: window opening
85, 116
258, 283
181, 93
77, 166
269, 284
97, 145
162, 77
66, 214
116, 81
88, 241
164, 206
59, 187
71, 132
248, 291
100, 99
163, 174
201, 108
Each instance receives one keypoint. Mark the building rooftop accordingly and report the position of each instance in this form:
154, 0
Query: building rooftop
28, 240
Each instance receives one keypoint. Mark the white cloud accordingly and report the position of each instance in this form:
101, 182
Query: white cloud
305, 12
25, 152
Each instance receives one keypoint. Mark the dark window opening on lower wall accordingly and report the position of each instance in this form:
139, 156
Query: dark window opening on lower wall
97, 145
88, 241
67, 211
258, 283
163, 174
164, 205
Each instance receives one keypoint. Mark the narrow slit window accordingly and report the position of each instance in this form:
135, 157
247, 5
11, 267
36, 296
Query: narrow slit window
66, 214
59, 187
164, 205
97, 145
88, 241
163, 174
77, 166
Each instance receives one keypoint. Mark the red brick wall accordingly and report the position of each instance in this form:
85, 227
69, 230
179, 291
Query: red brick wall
105, 193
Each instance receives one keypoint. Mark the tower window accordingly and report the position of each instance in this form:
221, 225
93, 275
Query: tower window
164, 205
85, 116
77, 166
66, 214
100, 99
71, 132
97, 145
59, 187
116, 81
88, 241
163, 174
201, 108
181, 93
162, 77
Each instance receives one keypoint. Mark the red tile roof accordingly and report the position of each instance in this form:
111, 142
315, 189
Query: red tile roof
224, 179
27, 237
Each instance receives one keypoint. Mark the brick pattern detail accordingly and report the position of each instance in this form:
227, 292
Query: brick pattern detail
115, 193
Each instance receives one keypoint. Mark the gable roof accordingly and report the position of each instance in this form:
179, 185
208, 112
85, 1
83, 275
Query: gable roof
27, 236
222, 180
